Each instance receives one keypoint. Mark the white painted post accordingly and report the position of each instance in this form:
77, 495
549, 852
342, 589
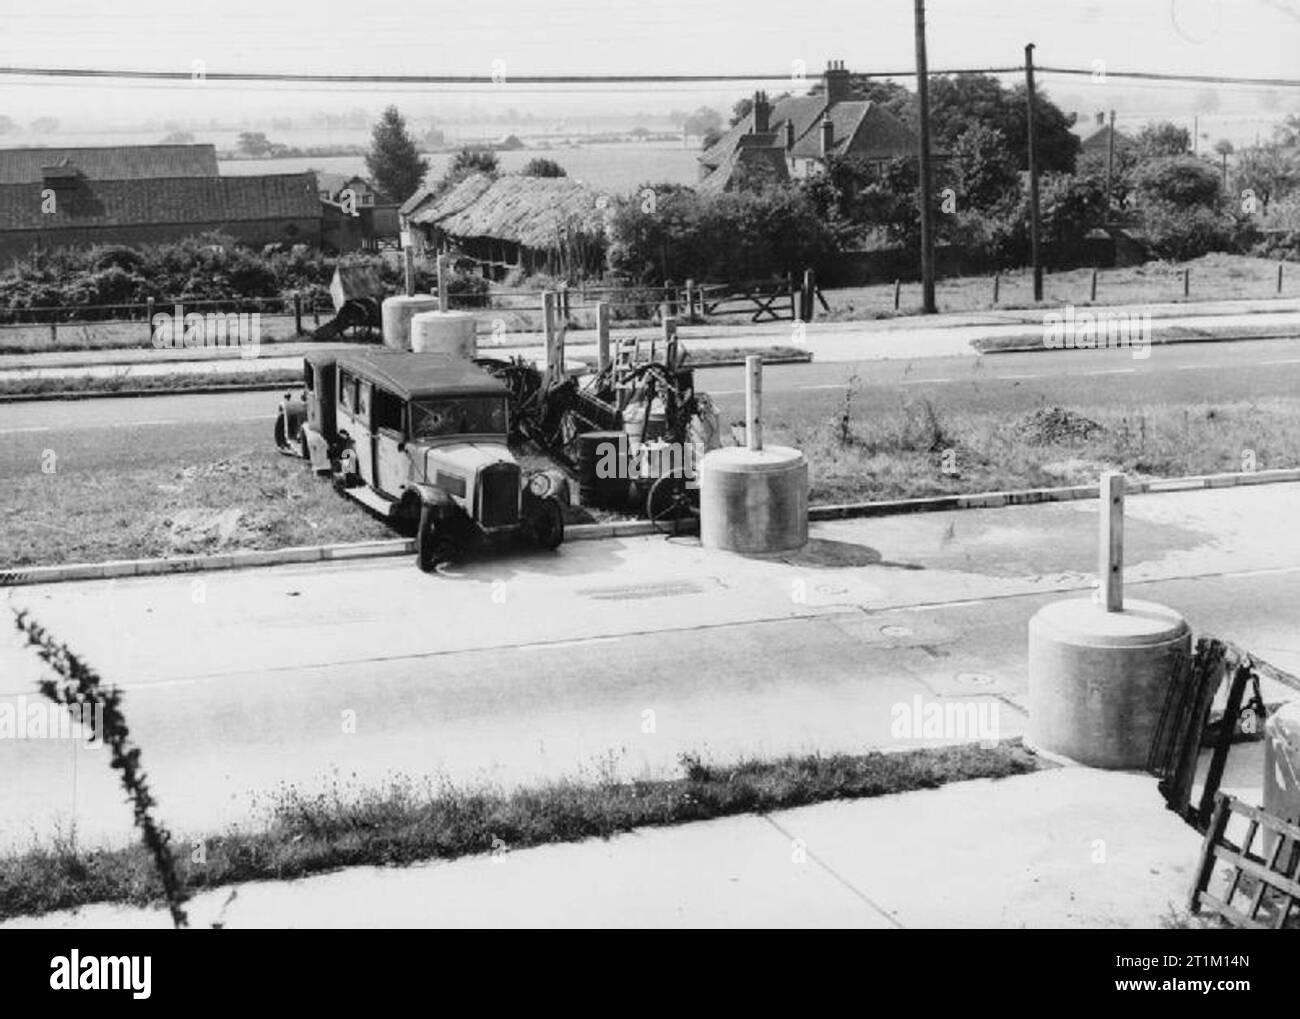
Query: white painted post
1111, 564
602, 335
552, 337
442, 282
754, 403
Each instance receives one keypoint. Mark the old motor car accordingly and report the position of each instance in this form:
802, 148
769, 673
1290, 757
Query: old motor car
420, 438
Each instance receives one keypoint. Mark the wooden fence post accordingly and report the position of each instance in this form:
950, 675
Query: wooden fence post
898, 287
1187, 282
997, 283
809, 290
1092, 292
754, 402
148, 318
602, 335
1111, 566
690, 300
408, 270
1279, 277
442, 283
297, 313
670, 342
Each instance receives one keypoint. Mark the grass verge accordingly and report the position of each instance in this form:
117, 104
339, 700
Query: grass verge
172, 382
407, 823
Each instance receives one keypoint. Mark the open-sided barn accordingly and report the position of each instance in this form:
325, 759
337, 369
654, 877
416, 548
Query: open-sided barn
540, 224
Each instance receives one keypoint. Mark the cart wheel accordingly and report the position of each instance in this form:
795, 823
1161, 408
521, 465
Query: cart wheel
670, 504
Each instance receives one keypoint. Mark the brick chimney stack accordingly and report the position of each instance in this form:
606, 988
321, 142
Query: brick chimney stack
762, 113
838, 86
828, 136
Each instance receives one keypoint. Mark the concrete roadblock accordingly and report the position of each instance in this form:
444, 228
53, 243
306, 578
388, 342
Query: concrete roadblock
448, 332
1099, 670
754, 499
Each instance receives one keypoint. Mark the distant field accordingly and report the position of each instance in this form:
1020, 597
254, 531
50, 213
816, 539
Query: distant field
613, 167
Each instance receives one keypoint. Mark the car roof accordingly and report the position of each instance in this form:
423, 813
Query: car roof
410, 375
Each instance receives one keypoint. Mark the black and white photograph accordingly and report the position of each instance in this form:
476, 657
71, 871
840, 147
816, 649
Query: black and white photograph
650, 465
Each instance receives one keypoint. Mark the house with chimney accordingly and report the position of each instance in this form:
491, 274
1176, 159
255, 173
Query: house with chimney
795, 136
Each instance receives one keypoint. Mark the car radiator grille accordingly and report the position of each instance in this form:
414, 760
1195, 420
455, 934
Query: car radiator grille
498, 495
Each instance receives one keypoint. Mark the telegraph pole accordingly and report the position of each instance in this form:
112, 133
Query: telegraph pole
927, 226
1110, 161
1035, 252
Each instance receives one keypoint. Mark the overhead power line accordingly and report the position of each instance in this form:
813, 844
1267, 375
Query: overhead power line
504, 78
455, 79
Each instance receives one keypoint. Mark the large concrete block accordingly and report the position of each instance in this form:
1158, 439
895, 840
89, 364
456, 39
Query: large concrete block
754, 501
1098, 679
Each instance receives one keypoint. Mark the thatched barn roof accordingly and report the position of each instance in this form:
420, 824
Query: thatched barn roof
535, 212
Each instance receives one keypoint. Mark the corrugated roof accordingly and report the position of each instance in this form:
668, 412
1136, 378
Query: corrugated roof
167, 200
537, 212
110, 162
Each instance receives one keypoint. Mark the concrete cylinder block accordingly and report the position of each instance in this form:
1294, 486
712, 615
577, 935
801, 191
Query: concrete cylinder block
754, 501
396, 314
1098, 679
449, 332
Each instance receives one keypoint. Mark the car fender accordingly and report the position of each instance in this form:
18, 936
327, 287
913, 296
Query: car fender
441, 504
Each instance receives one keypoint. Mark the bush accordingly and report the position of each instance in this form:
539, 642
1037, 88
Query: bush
734, 236
1179, 234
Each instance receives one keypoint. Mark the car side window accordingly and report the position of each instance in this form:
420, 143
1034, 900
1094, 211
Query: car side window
363, 401
388, 411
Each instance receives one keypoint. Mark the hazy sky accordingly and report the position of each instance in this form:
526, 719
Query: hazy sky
1236, 37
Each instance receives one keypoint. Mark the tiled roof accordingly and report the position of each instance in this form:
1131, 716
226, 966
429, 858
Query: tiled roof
859, 123
110, 162
166, 200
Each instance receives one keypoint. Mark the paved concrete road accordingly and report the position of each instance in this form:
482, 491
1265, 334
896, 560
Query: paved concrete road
610, 655
103, 433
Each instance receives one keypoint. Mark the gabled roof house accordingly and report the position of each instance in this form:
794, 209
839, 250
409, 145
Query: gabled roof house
794, 137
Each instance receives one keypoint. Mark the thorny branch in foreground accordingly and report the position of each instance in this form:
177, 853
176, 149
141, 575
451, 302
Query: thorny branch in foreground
80, 686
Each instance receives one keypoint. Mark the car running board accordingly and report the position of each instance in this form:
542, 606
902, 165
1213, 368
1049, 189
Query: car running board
371, 499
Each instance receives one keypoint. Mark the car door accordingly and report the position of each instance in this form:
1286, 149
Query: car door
389, 416
364, 435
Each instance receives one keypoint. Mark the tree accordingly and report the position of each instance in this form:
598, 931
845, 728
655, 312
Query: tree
1287, 133
470, 161
983, 167
1269, 172
254, 143
1163, 139
1182, 182
394, 159
958, 101
702, 121
539, 167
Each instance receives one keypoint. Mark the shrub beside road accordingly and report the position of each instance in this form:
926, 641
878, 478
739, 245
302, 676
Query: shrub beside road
409, 821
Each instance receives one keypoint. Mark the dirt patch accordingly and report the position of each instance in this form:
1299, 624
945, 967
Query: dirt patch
1050, 425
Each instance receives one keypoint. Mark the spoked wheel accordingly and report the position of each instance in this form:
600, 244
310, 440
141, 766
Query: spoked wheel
670, 506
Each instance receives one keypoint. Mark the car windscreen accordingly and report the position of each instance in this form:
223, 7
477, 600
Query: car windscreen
466, 415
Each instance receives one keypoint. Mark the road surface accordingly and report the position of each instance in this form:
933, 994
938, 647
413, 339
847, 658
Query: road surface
124, 432
609, 657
